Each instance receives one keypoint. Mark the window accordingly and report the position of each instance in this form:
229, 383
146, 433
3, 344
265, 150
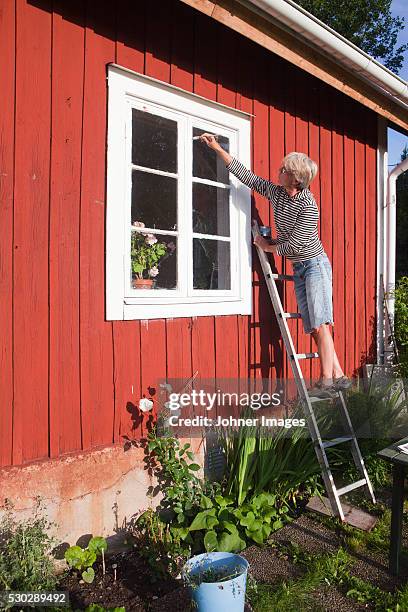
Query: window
178, 224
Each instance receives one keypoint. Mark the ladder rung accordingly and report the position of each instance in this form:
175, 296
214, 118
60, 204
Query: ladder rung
291, 315
352, 486
319, 399
282, 276
305, 355
336, 441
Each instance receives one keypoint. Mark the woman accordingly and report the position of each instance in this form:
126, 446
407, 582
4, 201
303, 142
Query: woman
296, 216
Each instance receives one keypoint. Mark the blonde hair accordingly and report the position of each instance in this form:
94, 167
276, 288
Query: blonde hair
301, 167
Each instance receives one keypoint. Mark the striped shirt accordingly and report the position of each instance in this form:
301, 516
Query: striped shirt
296, 217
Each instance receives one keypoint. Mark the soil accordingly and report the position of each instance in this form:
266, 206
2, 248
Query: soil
134, 589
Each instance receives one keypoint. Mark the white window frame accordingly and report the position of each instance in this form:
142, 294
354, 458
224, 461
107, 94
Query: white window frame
127, 89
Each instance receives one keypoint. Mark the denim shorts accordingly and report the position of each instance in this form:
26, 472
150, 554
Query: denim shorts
313, 280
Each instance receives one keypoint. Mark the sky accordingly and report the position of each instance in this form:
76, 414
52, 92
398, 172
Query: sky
396, 141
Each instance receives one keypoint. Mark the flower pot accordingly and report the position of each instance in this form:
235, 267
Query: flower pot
222, 593
142, 283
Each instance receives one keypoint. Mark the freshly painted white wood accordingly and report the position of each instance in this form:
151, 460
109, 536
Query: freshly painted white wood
129, 90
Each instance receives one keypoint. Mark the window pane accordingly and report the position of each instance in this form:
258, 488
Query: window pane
154, 200
153, 257
206, 163
211, 264
211, 210
154, 141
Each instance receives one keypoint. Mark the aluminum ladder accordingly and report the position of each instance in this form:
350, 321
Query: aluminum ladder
334, 493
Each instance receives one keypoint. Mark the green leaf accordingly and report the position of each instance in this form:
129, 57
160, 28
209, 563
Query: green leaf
181, 532
152, 445
89, 558
74, 556
224, 501
204, 520
247, 520
230, 542
210, 541
88, 575
194, 467
256, 536
229, 526
190, 455
277, 525
256, 525
97, 544
205, 502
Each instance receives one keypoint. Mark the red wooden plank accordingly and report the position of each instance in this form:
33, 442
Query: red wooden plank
128, 418
31, 232
262, 305
205, 57
182, 47
371, 233
203, 353
326, 185
130, 53
338, 261
349, 287
67, 95
97, 392
227, 67
153, 333
314, 153
178, 348
290, 304
203, 347
227, 328
130, 34
360, 237
7, 116
157, 60
302, 146
153, 364
244, 101
326, 179
276, 154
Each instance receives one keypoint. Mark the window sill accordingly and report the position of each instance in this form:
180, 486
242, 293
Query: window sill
132, 311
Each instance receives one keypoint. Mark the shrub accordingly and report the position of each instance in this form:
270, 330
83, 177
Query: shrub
264, 459
25, 546
401, 323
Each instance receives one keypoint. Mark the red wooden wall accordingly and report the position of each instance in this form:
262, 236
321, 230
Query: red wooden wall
70, 380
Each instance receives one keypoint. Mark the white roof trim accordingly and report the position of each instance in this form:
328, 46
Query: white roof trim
316, 33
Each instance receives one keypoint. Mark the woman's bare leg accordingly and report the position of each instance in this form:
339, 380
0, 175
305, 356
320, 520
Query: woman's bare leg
337, 369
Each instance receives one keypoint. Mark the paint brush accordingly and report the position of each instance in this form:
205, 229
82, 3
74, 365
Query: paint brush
198, 137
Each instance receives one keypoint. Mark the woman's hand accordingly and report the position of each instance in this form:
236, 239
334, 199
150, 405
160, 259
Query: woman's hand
262, 243
211, 141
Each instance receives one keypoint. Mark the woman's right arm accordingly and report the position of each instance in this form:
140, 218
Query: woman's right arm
262, 186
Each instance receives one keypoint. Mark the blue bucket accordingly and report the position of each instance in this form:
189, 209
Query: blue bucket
222, 595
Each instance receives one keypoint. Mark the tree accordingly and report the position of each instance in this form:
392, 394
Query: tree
402, 220
368, 24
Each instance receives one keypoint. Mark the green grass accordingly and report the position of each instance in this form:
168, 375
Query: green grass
323, 570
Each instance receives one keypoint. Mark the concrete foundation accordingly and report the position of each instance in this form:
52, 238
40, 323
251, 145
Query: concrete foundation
89, 493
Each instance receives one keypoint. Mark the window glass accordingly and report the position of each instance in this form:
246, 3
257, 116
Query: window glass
211, 264
154, 141
153, 259
154, 200
206, 163
211, 210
